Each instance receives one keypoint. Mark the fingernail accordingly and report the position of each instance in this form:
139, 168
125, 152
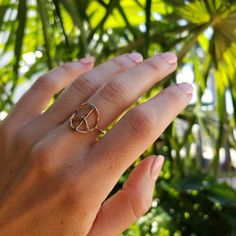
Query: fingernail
87, 60
156, 167
136, 57
186, 87
169, 57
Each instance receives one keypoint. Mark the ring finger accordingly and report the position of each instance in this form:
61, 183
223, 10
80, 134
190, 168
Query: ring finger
112, 99
79, 90
119, 93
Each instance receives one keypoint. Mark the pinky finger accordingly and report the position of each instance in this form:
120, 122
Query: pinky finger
37, 98
134, 200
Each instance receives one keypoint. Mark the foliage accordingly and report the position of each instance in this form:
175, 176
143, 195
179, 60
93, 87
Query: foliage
37, 35
194, 206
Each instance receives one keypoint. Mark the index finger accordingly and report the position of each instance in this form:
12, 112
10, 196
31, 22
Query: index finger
133, 134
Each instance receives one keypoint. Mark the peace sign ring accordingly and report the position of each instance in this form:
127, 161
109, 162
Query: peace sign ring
79, 121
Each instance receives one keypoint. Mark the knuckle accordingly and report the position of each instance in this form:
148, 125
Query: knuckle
44, 82
121, 64
66, 67
116, 92
84, 84
174, 93
41, 159
150, 65
141, 123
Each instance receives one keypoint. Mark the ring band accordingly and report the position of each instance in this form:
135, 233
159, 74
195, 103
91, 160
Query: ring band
79, 119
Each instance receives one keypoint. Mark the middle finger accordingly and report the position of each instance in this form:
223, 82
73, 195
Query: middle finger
122, 91
111, 100
80, 90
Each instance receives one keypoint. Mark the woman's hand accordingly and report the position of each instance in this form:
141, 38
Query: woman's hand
53, 180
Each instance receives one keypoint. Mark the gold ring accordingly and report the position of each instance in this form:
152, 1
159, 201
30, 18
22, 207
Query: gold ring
79, 119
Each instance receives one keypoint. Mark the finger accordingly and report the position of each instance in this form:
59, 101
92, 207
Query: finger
77, 93
115, 96
118, 94
133, 201
38, 96
134, 133
85, 86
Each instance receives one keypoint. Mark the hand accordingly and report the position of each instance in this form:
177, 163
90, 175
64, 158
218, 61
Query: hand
53, 180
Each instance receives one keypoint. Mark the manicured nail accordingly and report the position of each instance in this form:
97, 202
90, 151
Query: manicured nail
136, 57
156, 167
87, 60
169, 57
186, 87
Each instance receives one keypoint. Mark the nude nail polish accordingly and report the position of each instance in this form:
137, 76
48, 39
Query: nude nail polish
186, 87
156, 167
169, 57
136, 57
87, 60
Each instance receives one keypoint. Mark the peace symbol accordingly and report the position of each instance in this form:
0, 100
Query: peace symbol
79, 123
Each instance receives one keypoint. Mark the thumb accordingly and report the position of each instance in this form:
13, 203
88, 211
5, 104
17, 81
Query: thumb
131, 202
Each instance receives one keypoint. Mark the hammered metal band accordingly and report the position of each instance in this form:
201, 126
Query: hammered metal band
79, 119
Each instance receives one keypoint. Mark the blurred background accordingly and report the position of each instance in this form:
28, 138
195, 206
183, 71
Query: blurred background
196, 192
